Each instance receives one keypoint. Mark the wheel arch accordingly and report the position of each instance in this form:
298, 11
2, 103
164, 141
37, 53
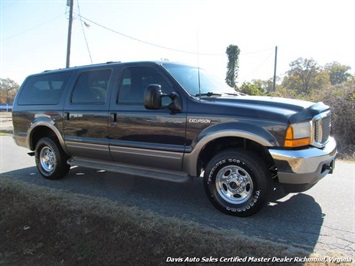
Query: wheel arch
42, 129
210, 145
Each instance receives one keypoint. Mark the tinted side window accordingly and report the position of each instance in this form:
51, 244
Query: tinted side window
134, 82
91, 87
44, 89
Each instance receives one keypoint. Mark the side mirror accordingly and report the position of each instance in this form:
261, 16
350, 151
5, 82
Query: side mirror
152, 97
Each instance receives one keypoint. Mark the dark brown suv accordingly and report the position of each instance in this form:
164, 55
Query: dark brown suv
173, 122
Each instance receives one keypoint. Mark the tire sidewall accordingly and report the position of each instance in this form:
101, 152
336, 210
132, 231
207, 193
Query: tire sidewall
256, 172
59, 169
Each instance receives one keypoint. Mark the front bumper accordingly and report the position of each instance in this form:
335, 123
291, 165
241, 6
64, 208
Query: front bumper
299, 170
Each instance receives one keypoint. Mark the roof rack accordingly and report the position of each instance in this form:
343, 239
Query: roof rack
98, 64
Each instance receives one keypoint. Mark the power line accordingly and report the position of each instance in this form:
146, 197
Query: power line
146, 42
161, 46
260, 65
257, 51
7, 6
34, 27
82, 28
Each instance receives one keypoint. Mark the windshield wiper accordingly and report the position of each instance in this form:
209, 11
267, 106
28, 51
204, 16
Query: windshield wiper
234, 94
208, 94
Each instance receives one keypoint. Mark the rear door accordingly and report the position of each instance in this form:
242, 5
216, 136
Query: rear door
154, 138
86, 114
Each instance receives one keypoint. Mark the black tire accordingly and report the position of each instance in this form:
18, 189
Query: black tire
237, 182
50, 159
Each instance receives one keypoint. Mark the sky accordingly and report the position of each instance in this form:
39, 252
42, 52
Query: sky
33, 33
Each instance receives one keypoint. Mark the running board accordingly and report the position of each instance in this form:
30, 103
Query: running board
143, 171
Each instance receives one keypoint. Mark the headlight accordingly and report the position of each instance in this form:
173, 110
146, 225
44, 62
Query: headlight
298, 135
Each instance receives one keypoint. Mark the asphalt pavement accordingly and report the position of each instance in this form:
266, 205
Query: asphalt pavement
321, 220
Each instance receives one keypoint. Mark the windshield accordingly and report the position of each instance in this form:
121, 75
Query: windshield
192, 78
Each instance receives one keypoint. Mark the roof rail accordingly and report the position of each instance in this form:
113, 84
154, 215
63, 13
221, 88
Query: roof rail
108, 62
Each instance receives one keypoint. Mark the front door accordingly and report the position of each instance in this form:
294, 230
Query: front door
154, 138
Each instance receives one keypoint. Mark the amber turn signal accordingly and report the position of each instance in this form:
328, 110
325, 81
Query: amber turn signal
290, 142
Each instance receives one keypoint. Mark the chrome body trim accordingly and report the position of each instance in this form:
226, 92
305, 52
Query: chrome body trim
304, 166
317, 129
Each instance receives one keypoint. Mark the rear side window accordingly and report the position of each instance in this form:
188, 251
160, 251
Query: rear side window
91, 87
44, 89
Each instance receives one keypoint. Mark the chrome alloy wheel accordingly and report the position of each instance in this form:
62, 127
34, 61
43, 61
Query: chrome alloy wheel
234, 184
47, 159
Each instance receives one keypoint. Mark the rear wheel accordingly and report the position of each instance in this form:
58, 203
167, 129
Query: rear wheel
237, 182
50, 159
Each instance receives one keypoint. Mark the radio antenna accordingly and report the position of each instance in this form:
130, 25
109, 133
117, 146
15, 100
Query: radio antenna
198, 66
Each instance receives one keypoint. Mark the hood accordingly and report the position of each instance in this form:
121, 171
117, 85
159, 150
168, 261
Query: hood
271, 107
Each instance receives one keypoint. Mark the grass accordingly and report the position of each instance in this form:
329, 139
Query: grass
6, 114
42, 226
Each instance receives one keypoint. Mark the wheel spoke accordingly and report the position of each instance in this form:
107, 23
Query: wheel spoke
234, 184
47, 159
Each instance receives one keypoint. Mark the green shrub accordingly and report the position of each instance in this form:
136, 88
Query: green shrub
341, 99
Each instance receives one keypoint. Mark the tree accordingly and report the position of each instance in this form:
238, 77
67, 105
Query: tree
232, 65
337, 73
256, 87
304, 76
8, 89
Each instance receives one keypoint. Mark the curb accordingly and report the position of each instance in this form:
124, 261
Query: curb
8, 130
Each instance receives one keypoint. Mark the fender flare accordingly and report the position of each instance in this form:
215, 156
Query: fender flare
236, 130
46, 122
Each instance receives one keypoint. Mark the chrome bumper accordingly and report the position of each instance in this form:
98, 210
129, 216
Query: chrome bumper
299, 170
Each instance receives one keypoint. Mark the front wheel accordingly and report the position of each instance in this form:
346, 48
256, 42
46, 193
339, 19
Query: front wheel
237, 182
51, 160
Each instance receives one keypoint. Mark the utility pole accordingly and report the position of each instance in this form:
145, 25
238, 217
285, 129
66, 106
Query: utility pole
275, 64
70, 4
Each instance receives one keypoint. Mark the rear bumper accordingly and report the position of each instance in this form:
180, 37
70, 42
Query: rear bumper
299, 170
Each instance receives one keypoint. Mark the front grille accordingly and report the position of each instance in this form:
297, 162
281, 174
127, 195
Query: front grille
322, 125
